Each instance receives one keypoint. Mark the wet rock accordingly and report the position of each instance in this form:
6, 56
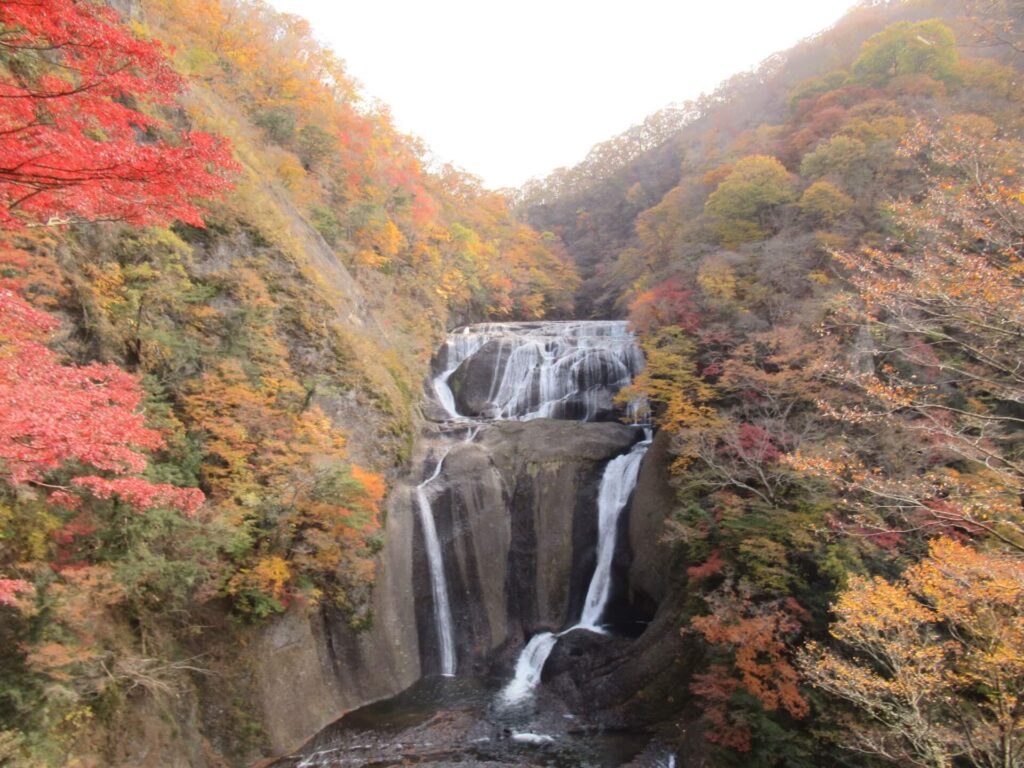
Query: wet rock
516, 510
628, 683
474, 380
652, 506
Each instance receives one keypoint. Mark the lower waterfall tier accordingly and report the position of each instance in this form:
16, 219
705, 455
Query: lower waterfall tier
515, 515
516, 512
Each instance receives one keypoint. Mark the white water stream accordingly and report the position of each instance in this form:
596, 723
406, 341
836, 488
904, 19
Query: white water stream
435, 562
438, 583
617, 484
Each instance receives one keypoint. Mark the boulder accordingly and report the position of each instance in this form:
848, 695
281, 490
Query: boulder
473, 381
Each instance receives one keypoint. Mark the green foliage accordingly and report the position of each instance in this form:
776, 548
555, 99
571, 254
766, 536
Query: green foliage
740, 209
816, 86
326, 224
313, 145
278, 123
841, 157
905, 48
823, 204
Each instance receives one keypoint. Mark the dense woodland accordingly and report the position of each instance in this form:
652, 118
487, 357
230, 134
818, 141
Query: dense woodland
822, 260
824, 267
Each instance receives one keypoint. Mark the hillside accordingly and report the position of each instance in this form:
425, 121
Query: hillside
279, 318
250, 478
822, 260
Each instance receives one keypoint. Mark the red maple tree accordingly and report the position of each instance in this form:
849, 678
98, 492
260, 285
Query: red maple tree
80, 134
53, 415
81, 139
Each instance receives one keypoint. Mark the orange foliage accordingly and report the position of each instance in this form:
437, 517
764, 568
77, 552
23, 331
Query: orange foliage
935, 661
757, 640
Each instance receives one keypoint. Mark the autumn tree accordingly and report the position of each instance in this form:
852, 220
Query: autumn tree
740, 208
55, 416
942, 316
933, 664
90, 527
823, 204
277, 470
905, 48
671, 387
80, 133
752, 656
994, 23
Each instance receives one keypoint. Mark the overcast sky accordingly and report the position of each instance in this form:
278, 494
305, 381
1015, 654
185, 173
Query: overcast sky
512, 90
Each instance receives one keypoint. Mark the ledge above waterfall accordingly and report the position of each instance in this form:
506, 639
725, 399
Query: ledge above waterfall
553, 440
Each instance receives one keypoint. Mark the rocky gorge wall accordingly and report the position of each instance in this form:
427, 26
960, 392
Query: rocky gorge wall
514, 509
516, 513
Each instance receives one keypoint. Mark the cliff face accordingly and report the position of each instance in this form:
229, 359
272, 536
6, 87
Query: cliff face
310, 667
519, 513
632, 681
516, 517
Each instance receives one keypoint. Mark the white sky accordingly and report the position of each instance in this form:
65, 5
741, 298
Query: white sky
512, 90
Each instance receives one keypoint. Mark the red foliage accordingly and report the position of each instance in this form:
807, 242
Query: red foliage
52, 413
142, 494
668, 303
54, 416
727, 728
751, 443
712, 370
11, 588
78, 136
757, 638
714, 564
79, 526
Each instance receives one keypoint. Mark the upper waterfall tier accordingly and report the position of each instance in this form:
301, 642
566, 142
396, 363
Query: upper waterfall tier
557, 370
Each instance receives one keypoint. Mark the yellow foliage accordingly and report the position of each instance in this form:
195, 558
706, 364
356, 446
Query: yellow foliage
717, 279
935, 660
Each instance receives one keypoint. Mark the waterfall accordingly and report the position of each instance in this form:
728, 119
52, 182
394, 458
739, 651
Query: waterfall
438, 584
617, 484
458, 347
543, 369
530, 370
529, 666
435, 561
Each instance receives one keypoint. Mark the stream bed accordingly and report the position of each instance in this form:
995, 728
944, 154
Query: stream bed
463, 721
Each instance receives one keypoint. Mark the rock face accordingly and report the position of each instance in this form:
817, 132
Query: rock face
473, 381
653, 501
518, 512
516, 516
311, 667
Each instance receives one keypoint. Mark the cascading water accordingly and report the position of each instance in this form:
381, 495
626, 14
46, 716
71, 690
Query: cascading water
529, 666
540, 370
438, 583
617, 484
459, 346
486, 373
